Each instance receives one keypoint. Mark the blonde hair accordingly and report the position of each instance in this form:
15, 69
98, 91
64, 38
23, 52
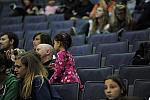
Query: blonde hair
34, 67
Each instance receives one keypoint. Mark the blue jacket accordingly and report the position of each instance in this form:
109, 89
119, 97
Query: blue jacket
41, 90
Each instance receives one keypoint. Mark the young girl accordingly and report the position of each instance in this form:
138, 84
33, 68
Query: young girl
51, 8
115, 89
99, 24
32, 75
65, 71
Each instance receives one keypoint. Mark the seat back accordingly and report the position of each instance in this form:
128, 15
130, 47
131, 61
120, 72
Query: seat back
35, 19
81, 50
93, 90
118, 60
12, 28
11, 20
103, 38
36, 26
81, 26
55, 17
78, 40
61, 24
68, 91
134, 36
112, 48
88, 61
94, 74
133, 73
141, 88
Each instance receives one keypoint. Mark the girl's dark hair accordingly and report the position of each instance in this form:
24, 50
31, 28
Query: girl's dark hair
45, 38
119, 81
64, 38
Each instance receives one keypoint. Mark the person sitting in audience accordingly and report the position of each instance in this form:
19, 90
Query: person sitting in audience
106, 4
84, 9
142, 55
65, 70
32, 75
99, 24
144, 20
27, 8
8, 82
41, 38
70, 8
8, 42
115, 89
30, 8
51, 8
121, 18
46, 52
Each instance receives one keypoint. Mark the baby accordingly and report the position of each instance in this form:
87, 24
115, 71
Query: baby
51, 8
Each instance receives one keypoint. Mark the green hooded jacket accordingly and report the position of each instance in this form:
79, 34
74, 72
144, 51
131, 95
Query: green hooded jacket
10, 91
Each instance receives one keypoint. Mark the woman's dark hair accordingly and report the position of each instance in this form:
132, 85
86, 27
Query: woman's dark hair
119, 81
11, 36
64, 38
45, 38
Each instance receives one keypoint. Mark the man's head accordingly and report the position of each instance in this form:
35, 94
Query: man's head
45, 51
8, 40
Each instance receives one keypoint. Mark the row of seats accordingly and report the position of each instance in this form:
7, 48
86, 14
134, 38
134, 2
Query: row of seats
129, 72
105, 49
55, 24
94, 90
31, 19
95, 60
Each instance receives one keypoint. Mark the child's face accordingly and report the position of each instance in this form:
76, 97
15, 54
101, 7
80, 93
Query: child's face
56, 45
112, 89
